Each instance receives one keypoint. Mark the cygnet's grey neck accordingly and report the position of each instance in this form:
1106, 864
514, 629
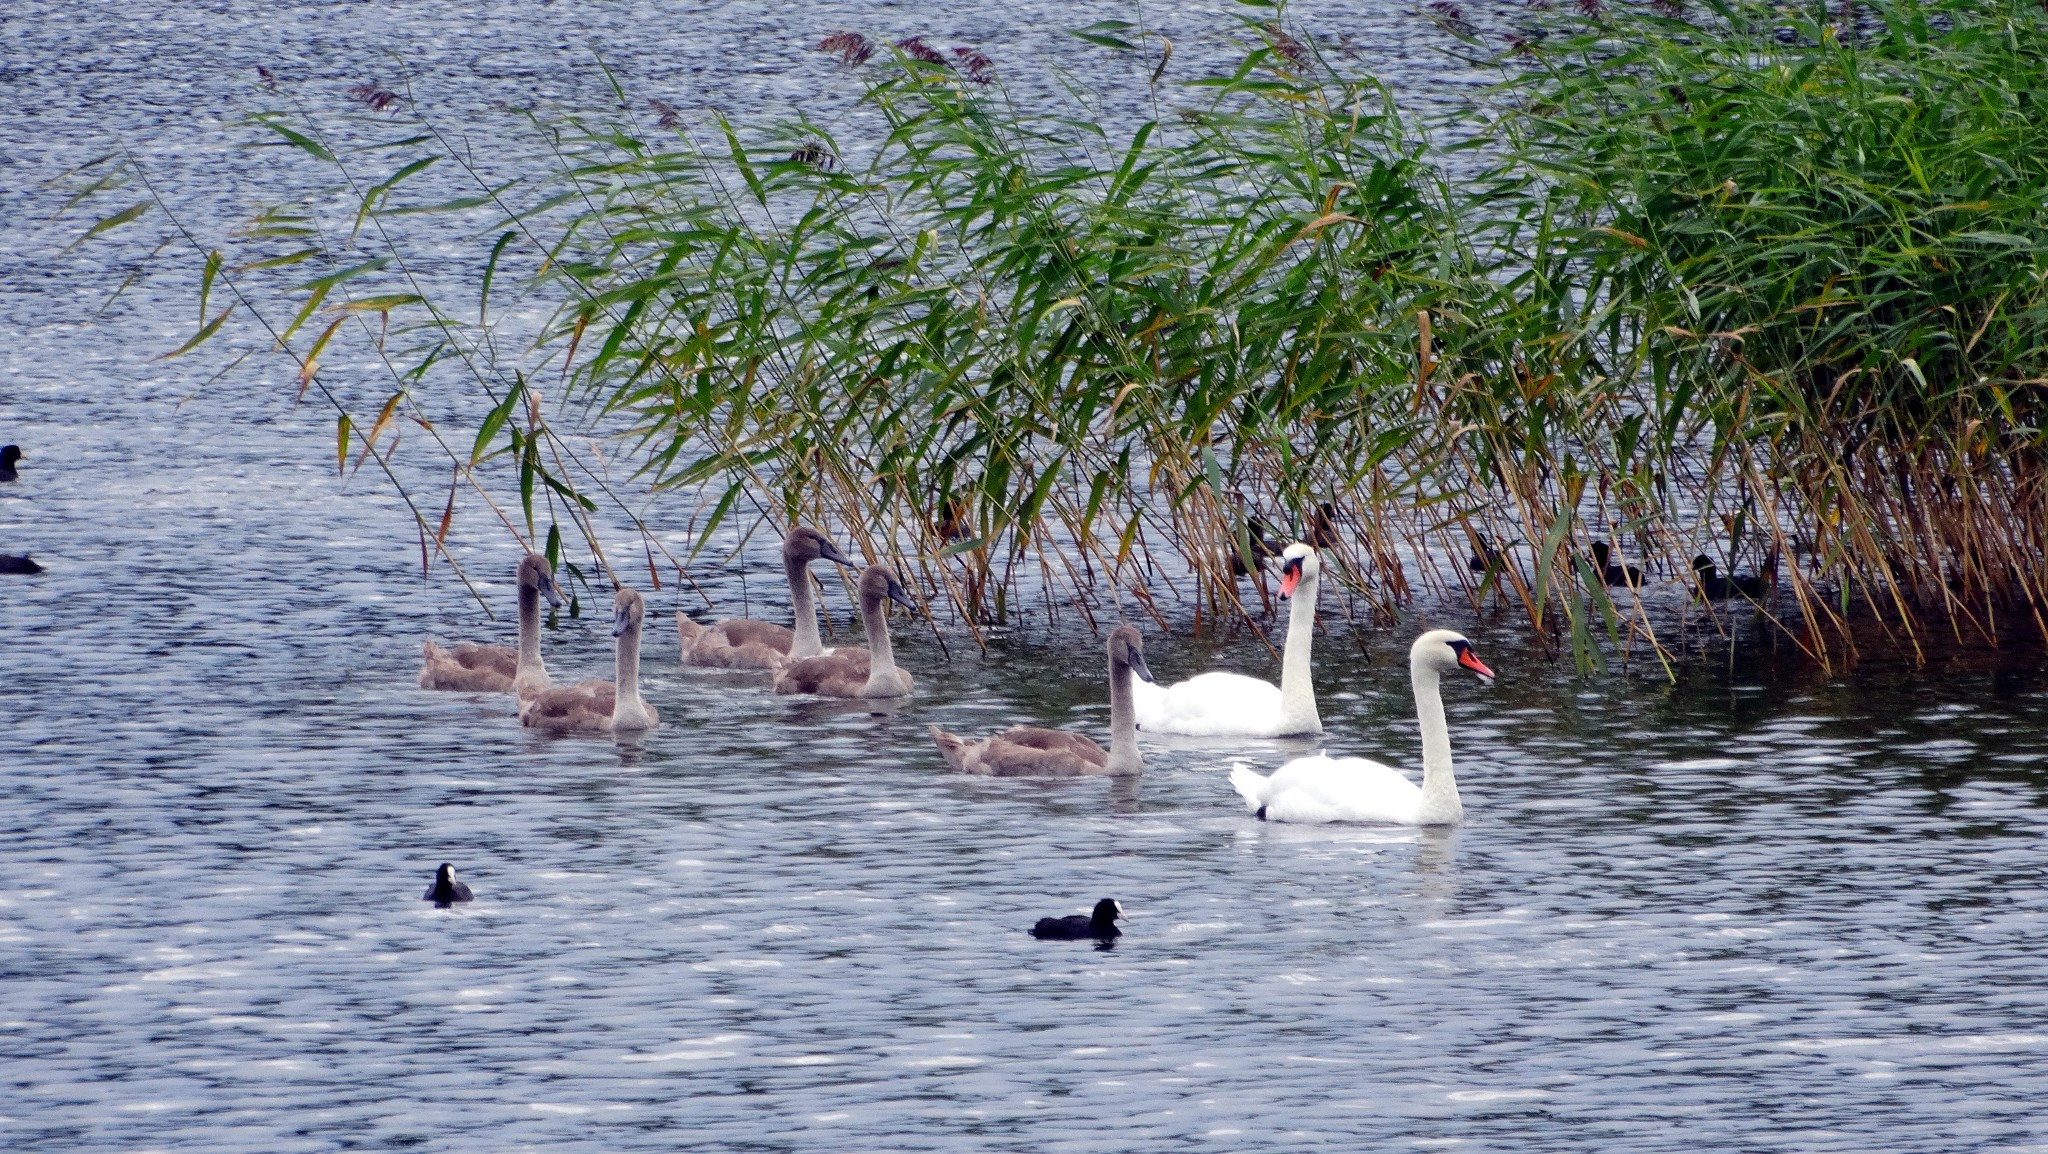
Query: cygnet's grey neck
529, 635
626, 674
806, 642
1440, 804
874, 615
1297, 679
1123, 721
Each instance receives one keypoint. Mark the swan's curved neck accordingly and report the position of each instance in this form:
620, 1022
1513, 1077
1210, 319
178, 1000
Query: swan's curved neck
1440, 804
806, 643
530, 667
1123, 722
626, 677
1297, 681
882, 679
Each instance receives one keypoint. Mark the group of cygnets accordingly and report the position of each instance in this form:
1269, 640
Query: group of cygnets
1317, 788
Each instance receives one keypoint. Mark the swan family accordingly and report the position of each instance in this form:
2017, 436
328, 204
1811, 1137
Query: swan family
1218, 703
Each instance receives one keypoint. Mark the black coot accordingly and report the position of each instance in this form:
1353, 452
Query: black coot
9, 454
446, 891
1715, 587
1101, 925
12, 564
1484, 557
1614, 572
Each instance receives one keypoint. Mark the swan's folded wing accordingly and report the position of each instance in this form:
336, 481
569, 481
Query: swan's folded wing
840, 673
1210, 705
1052, 757
441, 670
1250, 786
583, 705
1324, 789
498, 658
1056, 740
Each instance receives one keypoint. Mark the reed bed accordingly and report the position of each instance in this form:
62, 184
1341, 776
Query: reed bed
1758, 281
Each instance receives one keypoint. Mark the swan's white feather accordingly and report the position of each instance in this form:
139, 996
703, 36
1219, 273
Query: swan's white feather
1320, 789
1210, 705
1249, 786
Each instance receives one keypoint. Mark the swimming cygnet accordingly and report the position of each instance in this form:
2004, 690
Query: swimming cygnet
743, 643
1028, 751
601, 706
869, 672
471, 668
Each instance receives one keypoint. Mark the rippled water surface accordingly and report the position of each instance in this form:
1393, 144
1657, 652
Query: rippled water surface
1784, 913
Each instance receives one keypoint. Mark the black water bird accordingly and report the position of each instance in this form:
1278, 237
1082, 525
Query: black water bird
1484, 557
446, 891
1613, 572
1322, 526
1715, 587
9, 454
1264, 546
12, 564
1101, 925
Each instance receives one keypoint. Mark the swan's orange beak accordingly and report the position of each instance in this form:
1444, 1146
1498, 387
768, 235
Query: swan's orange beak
1290, 577
1470, 660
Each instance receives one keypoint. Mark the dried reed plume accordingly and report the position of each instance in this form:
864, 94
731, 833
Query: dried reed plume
1290, 49
915, 48
1453, 18
373, 97
975, 66
849, 47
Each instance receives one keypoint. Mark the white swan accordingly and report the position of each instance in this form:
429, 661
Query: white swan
1323, 788
1231, 704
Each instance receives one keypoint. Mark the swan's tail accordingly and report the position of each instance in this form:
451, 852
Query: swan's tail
1249, 786
432, 656
952, 748
687, 629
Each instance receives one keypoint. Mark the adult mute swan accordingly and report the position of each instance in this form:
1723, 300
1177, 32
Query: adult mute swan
743, 643
1231, 704
869, 672
1028, 752
1323, 788
496, 668
601, 706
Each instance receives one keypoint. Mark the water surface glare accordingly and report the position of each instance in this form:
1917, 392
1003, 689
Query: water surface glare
1796, 914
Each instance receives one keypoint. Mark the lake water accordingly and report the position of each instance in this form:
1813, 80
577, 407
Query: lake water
1762, 910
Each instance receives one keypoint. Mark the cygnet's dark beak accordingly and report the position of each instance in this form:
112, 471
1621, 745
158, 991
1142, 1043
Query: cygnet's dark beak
830, 552
550, 592
621, 619
900, 597
1138, 666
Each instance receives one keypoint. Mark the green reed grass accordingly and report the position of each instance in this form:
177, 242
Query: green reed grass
1754, 282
